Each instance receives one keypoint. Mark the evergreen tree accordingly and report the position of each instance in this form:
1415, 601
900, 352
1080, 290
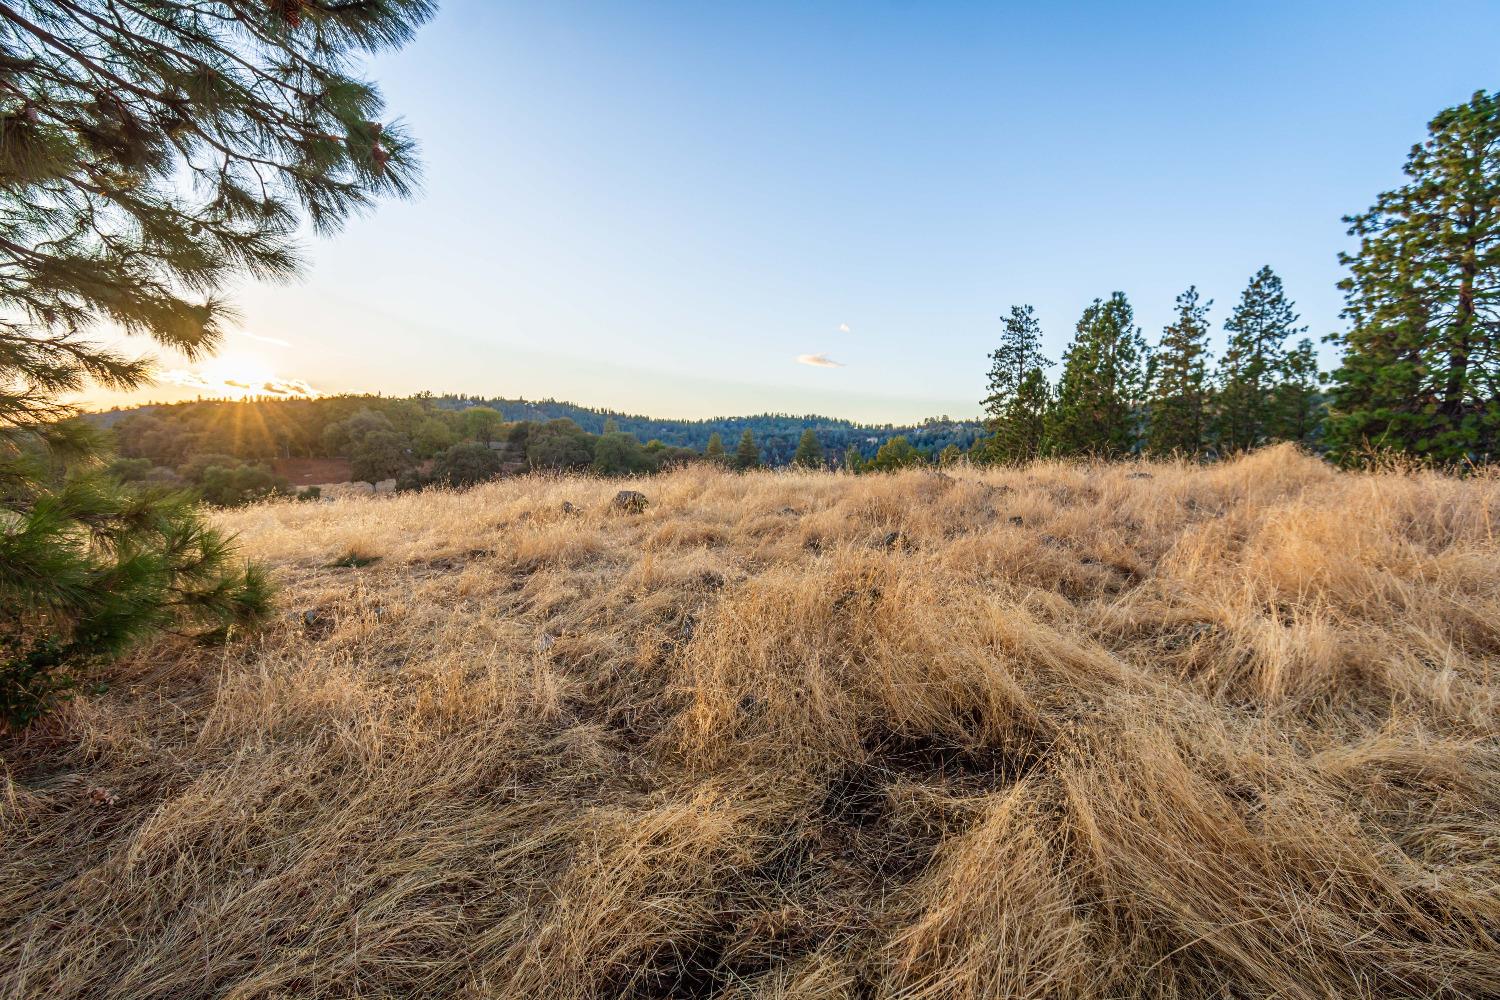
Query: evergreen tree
150, 154
1421, 365
1103, 383
715, 450
1254, 361
1179, 398
853, 460
896, 453
809, 451
747, 455
1297, 400
1019, 353
1019, 396
1019, 434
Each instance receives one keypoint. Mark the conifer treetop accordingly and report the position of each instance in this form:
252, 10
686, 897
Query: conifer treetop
150, 151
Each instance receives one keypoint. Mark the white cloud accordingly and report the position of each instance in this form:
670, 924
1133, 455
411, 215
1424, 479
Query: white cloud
235, 388
843, 328
818, 361
186, 379
276, 341
289, 387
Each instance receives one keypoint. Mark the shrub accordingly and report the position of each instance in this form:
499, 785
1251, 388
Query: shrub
90, 565
465, 464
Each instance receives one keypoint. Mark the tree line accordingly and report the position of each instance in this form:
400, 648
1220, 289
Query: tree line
227, 450
777, 434
1419, 373
1118, 396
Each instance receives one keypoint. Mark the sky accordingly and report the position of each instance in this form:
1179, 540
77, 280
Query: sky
690, 210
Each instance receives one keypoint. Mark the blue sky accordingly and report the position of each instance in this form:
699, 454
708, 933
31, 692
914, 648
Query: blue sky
659, 206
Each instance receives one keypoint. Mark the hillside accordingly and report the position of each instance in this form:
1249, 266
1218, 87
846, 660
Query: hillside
1135, 730
265, 428
777, 431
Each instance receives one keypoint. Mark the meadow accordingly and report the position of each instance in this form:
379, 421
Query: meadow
1070, 730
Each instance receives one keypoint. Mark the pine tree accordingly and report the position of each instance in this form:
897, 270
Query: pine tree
1179, 398
715, 450
809, 453
1421, 365
896, 453
1019, 353
1019, 396
150, 154
747, 455
1097, 409
1254, 362
1297, 400
1019, 434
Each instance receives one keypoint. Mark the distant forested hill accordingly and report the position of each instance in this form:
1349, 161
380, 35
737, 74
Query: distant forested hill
776, 433
233, 451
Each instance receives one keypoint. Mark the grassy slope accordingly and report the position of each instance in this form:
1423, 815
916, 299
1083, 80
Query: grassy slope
1214, 732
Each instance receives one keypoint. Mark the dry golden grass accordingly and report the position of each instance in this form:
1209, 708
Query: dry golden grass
1065, 731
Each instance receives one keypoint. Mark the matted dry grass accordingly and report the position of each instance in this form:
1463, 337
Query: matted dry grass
1065, 731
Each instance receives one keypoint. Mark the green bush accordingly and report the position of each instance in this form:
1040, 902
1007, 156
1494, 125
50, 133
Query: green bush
243, 483
466, 464
897, 453
89, 565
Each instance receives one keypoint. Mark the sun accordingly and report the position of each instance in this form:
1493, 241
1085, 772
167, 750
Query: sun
239, 375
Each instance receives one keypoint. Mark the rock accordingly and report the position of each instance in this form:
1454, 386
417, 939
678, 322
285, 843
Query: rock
791, 512
894, 539
1140, 475
1017, 520
572, 509
317, 623
632, 501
